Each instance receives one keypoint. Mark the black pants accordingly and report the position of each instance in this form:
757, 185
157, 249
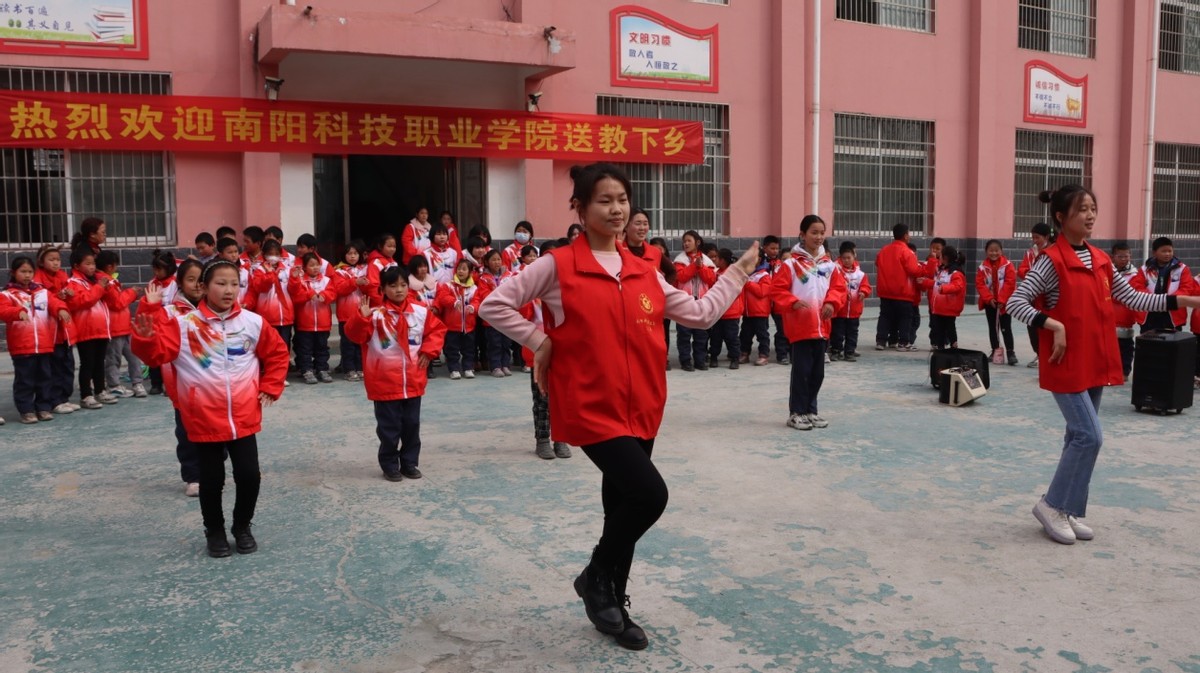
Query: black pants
481, 347
1005, 324
63, 366
499, 348
915, 324
541, 412
1160, 320
91, 366
188, 453
756, 328
634, 496
459, 350
33, 383
243, 455
156, 379
895, 319
725, 330
692, 344
943, 332
1033, 339
518, 355
667, 338
844, 335
1126, 346
312, 351
285, 333
351, 352
398, 424
783, 349
808, 373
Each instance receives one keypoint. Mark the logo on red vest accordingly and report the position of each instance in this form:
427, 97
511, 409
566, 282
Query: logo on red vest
647, 305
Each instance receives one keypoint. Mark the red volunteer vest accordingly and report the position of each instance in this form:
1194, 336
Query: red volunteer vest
1085, 307
606, 376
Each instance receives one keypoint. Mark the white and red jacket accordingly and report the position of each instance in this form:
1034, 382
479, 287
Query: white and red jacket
271, 300
995, 281
38, 334
1180, 283
221, 364
441, 263
692, 279
814, 280
393, 337
168, 287
423, 291
377, 262
458, 305
56, 284
89, 312
737, 308
756, 294
858, 288
313, 301
350, 293
949, 292
120, 315
511, 255
414, 240
1127, 317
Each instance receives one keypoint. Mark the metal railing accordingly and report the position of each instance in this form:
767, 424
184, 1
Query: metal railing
1046, 161
1179, 36
883, 171
1176, 191
915, 15
1058, 26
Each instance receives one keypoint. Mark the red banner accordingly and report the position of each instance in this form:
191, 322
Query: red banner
209, 124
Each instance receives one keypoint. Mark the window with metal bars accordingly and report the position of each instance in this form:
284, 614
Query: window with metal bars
1179, 36
46, 193
681, 197
907, 14
1058, 26
713, 2
1046, 161
1176, 191
882, 174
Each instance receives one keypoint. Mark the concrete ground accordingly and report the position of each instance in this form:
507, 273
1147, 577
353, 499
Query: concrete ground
898, 539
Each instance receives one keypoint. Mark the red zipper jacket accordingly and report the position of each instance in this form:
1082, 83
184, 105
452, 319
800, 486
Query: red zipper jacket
1085, 307
393, 338
349, 292
814, 281
756, 294
949, 293
995, 281
376, 263
692, 278
164, 315
896, 273
858, 288
271, 300
89, 312
38, 334
312, 315
56, 284
467, 297
1180, 283
414, 241
119, 301
737, 308
221, 365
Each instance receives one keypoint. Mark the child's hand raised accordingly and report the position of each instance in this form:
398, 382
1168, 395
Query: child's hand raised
143, 326
154, 293
364, 307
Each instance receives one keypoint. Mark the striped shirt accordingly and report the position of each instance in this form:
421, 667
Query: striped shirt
1042, 281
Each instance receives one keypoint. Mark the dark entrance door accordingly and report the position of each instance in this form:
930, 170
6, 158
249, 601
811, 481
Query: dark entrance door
386, 192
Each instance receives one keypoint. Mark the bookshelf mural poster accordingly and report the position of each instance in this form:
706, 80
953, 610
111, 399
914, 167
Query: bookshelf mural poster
102, 28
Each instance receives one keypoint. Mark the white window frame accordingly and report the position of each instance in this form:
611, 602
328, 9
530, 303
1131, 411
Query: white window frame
1070, 27
1179, 45
876, 152
912, 15
1054, 167
1173, 163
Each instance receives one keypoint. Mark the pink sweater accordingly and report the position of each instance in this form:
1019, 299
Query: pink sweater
540, 281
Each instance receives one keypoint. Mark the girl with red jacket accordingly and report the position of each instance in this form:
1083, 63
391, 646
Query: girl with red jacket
228, 365
119, 302
1078, 285
522, 236
808, 290
457, 303
602, 305
756, 297
350, 278
49, 274
415, 239
447, 220
726, 329
694, 274
268, 286
947, 298
32, 315
399, 340
995, 281
91, 317
382, 257
843, 331
499, 347
312, 293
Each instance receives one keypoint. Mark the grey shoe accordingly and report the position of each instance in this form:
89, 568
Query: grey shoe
799, 422
544, 449
562, 449
310, 378
325, 377
817, 421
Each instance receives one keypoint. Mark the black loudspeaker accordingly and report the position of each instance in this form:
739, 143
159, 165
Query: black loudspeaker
958, 357
1163, 366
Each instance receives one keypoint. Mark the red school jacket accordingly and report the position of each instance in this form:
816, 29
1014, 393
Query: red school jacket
815, 282
858, 288
377, 262
89, 312
38, 334
393, 337
949, 293
119, 301
1180, 283
756, 294
467, 297
271, 300
897, 271
737, 308
350, 293
312, 315
995, 281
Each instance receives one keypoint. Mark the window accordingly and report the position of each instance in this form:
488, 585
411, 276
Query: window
713, 2
882, 174
46, 193
1179, 36
1176, 191
907, 14
1058, 26
1046, 161
681, 197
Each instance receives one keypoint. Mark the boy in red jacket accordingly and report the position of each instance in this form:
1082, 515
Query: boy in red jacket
119, 302
843, 340
313, 294
90, 314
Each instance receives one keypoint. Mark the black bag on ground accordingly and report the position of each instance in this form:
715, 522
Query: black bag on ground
958, 357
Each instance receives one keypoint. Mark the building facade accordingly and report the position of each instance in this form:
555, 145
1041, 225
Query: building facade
948, 115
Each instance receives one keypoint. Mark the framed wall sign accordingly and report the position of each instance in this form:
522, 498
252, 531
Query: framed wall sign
651, 51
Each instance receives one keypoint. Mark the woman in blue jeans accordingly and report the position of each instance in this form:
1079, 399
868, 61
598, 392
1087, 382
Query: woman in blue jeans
1078, 349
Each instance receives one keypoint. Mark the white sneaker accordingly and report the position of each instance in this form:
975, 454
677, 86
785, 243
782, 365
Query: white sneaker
817, 421
120, 391
454, 376
469, 374
139, 390
192, 490
1082, 530
826, 358
90, 402
106, 397
1056, 522
64, 408
799, 422
1033, 363
74, 407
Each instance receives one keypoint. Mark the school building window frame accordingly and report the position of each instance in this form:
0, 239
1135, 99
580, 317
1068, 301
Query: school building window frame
1046, 160
723, 3
46, 193
912, 15
680, 197
1176, 211
1066, 27
1179, 36
883, 174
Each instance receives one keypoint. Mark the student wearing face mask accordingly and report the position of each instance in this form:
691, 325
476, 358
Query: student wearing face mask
522, 236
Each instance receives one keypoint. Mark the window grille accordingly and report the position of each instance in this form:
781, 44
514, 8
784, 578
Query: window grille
713, 2
916, 15
1058, 26
1046, 161
882, 174
46, 193
681, 197
1179, 36
1176, 191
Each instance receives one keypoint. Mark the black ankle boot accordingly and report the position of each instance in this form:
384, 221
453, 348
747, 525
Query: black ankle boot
595, 586
632, 637
218, 544
244, 540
